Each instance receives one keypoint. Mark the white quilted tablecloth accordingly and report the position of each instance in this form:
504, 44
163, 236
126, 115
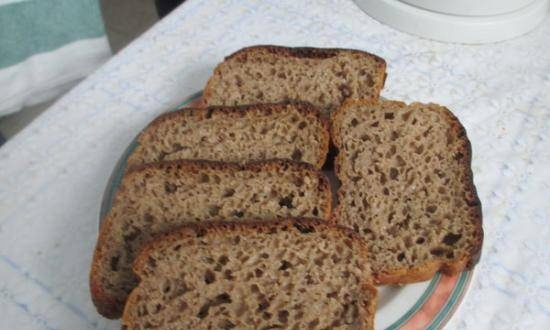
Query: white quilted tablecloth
52, 174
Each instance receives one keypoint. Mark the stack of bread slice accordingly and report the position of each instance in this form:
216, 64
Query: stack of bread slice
223, 219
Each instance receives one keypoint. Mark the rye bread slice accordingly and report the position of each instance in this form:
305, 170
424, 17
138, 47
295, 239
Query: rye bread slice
293, 131
324, 77
407, 188
289, 274
159, 197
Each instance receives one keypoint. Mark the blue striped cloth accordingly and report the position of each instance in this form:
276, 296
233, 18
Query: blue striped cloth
45, 47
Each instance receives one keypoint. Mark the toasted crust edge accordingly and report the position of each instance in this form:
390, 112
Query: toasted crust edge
110, 306
370, 307
195, 229
302, 52
307, 109
297, 52
426, 270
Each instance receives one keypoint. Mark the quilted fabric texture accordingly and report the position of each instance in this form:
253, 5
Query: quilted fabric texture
53, 173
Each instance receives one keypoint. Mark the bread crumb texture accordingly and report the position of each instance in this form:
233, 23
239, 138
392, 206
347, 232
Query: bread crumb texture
322, 76
407, 187
288, 275
236, 134
158, 198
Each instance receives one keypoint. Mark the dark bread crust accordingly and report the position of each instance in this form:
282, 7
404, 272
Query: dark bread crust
110, 306
302, 52
298, 225
265, 109
243, 55
426, 270
370, 307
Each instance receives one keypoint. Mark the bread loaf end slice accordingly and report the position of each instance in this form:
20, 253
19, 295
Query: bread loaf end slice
158, 197
407, 188
291, 274
324, 77
240, 134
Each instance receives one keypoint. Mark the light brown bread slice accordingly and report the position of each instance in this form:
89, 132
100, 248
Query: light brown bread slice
158, 197
290, 274
407, 188
241, 134
324, 77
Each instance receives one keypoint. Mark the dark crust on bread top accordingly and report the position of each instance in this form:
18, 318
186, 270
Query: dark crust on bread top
303, 52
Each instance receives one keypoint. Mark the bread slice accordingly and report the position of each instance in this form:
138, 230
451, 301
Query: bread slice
324, 77
158, 197
407, 188
291, 274
293, 131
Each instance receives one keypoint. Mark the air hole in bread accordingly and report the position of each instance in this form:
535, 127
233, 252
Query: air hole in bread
238, 214
393, 173
228, 275
229, 192
114, 263
204, 178
315, 211
285, 265
209, 277
431, 208
258, 272
297, 155
263, 305
282, 316
170, 188
451, 238
437, 251
223, 259
401, 256
345, 91
213, 210
369, 80
286, 201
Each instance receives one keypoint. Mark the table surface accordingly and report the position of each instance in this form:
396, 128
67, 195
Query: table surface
53, 173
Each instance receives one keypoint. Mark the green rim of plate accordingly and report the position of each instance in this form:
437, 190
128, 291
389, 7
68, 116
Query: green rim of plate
452, 303
441, 318
419, 303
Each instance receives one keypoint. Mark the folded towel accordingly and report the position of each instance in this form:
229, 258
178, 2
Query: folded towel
46, 46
